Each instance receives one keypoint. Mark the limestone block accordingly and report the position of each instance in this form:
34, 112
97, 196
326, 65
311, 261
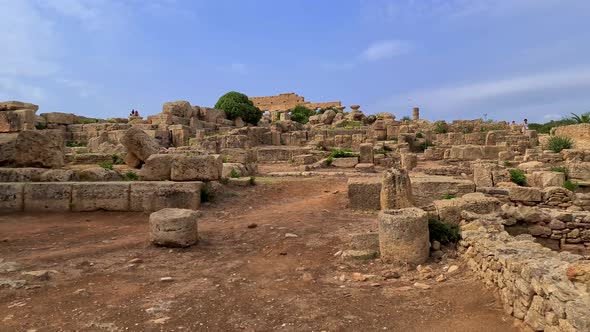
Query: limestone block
27, 174
7, 148
427, 189
99, 174
409, 161
544, 179
17, 105
396, 190
579, 170
303, 159
449, 210
403, 236
364, 193
47, 197
174, 227
154, 196
140, 143
525, 194
40, 148
179, 108
348, 162
59, 118
157, 167
197, 168
132, 161
58, 175
366, 153
180, 135
11, 197
95, 196
365, 168
365, 241
235, 169
18, 120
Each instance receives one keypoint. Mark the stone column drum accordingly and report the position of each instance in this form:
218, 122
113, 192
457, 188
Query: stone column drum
396, 190
409, 161
403, 236
416, 114
366, 153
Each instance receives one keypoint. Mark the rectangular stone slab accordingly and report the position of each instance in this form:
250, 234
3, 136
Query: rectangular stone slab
154, 196
94, 196
11, 197
50, 196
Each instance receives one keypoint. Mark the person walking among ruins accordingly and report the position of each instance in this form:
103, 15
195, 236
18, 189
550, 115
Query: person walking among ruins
525, 126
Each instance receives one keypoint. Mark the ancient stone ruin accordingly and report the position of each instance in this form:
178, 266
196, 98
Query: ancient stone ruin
229, 206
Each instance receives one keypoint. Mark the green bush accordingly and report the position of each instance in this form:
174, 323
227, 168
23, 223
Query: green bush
329, 160
106, 165
117, 160
40, 126
419, 135
424, 145
236, 104
545, 128
301, 114
406, 119
517, 176
582, 118
252, 181
343, 153
557, 143
440, 127
449, 196
570, 185
130, 176
443, 232
234, 174
561, 169
74, 144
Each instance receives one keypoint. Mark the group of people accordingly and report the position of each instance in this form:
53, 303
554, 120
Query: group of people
523, 127
134, 113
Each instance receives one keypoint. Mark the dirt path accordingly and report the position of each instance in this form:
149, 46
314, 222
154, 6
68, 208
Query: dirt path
236, 279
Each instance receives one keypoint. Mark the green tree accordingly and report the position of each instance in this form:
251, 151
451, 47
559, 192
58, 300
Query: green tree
582, 118
301, 114
236, 104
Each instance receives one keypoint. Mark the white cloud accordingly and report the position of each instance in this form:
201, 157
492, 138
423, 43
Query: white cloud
384, 49
453, 98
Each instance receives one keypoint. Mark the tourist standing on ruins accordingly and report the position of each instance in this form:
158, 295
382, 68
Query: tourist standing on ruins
525, 126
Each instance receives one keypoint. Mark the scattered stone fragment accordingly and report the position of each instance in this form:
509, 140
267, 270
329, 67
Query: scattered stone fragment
166, 279
359, 277
452, 269
290, 235
422, 286
440, 278
136, 261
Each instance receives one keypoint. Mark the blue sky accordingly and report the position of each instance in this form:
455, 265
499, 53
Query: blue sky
455, 59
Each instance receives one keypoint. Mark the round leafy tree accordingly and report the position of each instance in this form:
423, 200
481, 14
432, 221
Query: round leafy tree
236, 104
301, 114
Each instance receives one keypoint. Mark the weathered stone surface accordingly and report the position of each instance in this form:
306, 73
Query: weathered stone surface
579, 170
14, 121
304, 159
7, 148
157, 167
396, 190
365, 168
47, 197
409, 161
364, 193
449, 210
543, 179
179, 108
427, 189
345, 162
11, 197
365, 241
139, 143
233, 170
174, 227
525, 194
17, 105
58, 175
27, 174
98, 174
154, 196
403, 236
107, 196
366, 153
40, 148
197, 168
59, 118
132, 161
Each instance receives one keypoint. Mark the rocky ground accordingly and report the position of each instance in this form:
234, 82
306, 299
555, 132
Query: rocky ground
266, 262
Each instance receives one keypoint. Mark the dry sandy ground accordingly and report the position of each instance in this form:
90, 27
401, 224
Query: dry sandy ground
236, 279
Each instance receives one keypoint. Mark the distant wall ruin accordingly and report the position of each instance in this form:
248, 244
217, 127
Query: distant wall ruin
287, 101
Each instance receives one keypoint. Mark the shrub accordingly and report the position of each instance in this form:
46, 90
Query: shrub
443, 232
570, 185
561, 169
236, 104
582, 118
425, 145
234, 174
557, 143
419, 135
342, 153
40, 126
130, 176
440, 127
545, 128
449, 196
329, 160
74, 144
106, 165
406, 119
252, 181
517, 176
301, 114
117, 160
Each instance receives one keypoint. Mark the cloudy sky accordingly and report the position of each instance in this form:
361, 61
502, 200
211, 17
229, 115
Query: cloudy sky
454, 59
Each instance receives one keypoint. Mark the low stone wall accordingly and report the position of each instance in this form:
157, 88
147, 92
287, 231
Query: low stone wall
137, 196
546, 289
